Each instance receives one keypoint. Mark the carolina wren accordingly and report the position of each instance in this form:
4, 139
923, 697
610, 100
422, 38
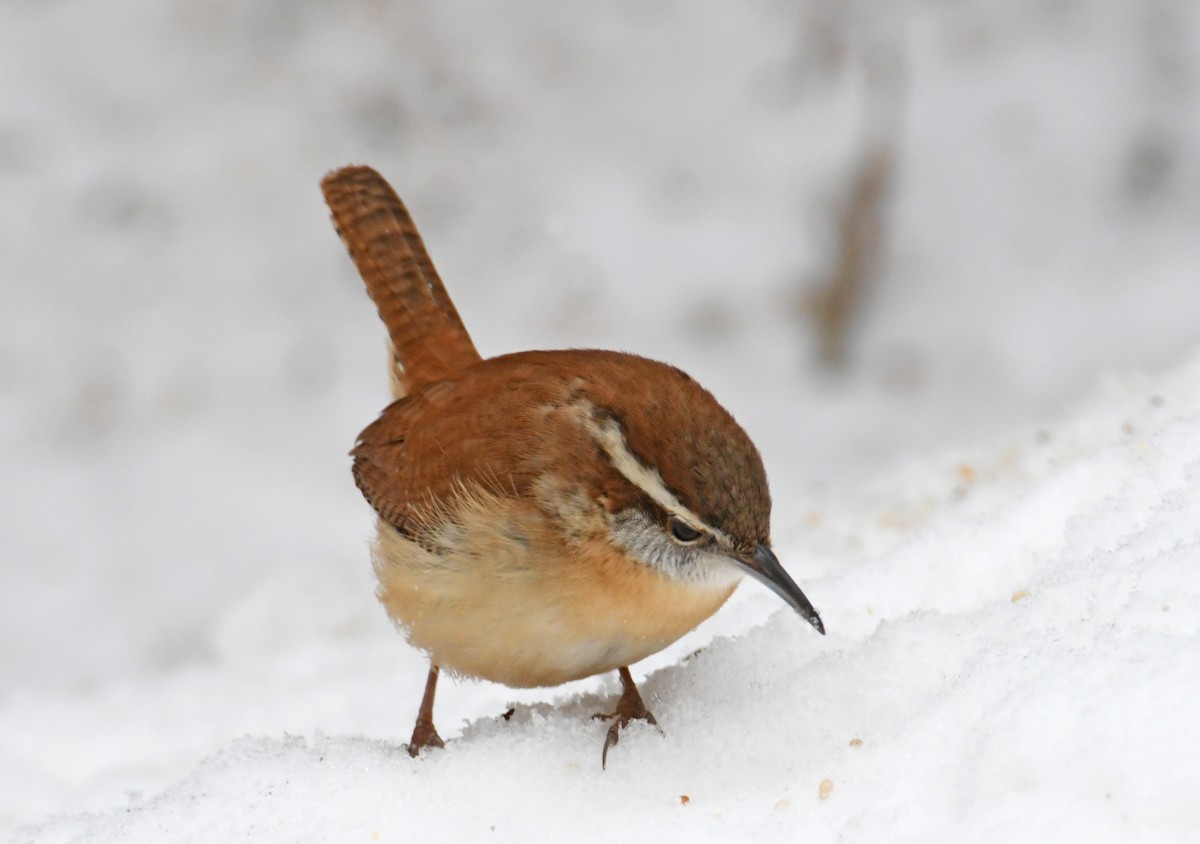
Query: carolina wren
546, 515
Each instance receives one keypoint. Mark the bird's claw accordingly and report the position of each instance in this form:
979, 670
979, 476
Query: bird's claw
424, 735
629, 708
614, 731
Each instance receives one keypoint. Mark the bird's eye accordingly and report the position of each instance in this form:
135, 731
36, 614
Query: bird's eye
682, 532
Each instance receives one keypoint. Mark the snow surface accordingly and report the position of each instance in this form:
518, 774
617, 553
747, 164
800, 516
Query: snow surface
996, 516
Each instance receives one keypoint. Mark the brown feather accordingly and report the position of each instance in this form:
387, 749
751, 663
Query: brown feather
427, 334
508, 421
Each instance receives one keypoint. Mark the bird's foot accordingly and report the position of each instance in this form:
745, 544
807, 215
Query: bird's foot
614, 730
424, 735
629, 708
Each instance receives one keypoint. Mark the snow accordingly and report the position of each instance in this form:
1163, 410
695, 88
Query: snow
994, 508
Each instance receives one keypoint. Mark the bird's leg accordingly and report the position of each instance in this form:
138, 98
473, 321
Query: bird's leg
629, 708
424, 733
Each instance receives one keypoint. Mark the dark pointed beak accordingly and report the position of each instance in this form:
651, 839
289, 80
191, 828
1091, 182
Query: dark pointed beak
764, 566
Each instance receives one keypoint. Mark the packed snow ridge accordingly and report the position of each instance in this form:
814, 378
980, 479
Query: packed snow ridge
1020, 659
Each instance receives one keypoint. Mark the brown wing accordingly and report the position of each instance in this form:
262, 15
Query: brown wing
500, 426
508, 421
477, 430
430, 340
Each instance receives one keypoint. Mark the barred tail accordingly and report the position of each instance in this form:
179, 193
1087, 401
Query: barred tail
427, 335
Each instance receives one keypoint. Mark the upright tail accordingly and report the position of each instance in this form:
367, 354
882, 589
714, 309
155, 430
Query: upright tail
427, 335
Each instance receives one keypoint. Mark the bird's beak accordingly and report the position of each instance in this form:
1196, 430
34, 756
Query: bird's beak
764, 566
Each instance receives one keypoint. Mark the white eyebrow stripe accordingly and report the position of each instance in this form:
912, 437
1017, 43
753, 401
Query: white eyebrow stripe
612, 439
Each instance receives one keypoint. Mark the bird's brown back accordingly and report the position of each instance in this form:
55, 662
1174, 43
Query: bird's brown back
512, 420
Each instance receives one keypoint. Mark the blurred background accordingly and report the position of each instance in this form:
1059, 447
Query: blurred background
873, 230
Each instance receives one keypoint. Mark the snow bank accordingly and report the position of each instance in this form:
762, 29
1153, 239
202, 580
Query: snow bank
1023, 662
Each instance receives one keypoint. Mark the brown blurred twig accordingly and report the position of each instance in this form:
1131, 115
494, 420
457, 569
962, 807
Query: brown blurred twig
834, 304
836, 300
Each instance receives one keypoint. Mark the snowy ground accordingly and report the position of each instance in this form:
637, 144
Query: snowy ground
996, 515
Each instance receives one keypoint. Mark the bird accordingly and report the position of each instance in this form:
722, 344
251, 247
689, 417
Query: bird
542, 516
